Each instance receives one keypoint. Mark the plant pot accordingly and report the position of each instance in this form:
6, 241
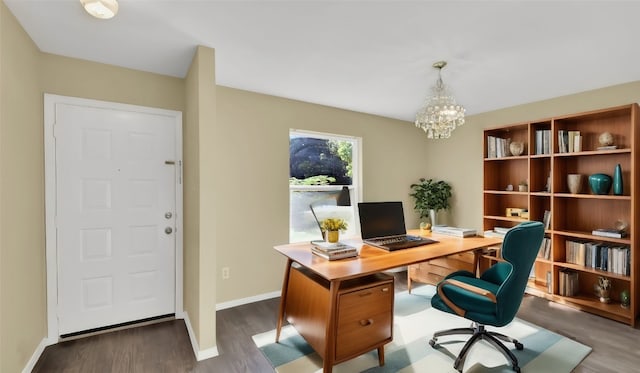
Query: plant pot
333, 236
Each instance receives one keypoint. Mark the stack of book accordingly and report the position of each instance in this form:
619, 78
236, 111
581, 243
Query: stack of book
545, 248
569, 141
598, 255
333, 251
453, 231
543, 141
497, 147
497, 232
613, 233
569, 284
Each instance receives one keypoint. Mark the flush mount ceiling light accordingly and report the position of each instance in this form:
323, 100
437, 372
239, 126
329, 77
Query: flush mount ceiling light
440, 114
103, 9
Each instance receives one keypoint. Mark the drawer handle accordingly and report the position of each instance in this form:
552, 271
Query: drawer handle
366, 322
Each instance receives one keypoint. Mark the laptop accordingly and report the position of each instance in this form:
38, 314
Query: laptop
382, 225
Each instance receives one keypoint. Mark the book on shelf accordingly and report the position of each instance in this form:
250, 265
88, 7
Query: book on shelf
569, 283
608, 147
497, 147
606, 232
453, 231
545, 248
546, 219
543, 141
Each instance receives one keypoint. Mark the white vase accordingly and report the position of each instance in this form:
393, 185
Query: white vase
432, 217
574, 182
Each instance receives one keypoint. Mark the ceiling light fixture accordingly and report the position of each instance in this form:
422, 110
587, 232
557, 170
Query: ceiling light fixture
103, 9
440, 114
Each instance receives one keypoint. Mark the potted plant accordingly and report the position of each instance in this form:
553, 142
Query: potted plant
430, 197
333, 227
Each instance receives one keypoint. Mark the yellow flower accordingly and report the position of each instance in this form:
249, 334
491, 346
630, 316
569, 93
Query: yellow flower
333, 225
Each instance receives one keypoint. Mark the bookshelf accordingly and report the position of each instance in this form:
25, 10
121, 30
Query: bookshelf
573, 217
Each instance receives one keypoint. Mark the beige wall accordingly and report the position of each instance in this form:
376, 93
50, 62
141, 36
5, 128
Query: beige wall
79, 78
22, 264
200, 210
254, 173
460, 158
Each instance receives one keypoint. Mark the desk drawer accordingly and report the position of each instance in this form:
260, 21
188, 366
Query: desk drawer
433, 271
365, 319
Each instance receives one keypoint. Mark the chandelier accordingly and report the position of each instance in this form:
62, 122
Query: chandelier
440, 114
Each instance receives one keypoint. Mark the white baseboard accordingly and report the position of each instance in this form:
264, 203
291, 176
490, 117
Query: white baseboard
199, 354
240, 302
36, 356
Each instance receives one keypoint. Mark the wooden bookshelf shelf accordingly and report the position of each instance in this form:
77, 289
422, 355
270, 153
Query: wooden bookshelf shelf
544, 165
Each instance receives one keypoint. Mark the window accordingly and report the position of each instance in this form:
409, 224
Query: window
320, 166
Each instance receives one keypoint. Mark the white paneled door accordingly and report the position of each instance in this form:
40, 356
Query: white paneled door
115, 182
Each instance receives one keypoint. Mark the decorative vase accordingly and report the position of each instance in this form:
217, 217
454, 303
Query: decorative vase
516, 148
617, 180
432, 217
625, 298
574, 182
600, 183
333, 236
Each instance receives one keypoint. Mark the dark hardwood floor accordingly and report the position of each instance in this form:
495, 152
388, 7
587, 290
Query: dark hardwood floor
165, 347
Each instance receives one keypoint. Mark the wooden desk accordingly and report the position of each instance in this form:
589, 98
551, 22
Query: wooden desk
371, 260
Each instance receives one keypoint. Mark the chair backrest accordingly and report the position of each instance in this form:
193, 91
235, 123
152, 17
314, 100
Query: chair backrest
519, 248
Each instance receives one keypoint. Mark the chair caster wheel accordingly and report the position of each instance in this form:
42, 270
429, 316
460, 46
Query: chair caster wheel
519, 347
432, 342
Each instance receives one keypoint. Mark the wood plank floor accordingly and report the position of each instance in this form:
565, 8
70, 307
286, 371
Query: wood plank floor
165, 347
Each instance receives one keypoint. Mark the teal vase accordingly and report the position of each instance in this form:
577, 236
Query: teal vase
600, 183
617, 180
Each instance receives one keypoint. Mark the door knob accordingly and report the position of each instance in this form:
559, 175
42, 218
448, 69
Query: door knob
168, 230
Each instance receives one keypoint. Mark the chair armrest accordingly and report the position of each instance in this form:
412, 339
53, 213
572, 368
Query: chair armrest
474, 289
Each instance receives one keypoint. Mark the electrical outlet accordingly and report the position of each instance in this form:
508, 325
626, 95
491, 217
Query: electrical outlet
225, 273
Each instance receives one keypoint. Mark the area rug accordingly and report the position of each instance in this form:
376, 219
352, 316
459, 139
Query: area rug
414, 324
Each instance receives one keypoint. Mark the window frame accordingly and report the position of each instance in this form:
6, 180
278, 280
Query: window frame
355, 189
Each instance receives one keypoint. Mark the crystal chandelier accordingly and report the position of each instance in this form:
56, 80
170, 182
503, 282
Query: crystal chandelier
440, 114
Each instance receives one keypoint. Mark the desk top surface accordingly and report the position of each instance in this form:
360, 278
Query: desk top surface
371, 259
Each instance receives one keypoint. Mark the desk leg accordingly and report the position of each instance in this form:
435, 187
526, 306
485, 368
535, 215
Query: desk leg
283, 298
330, 334
476, 261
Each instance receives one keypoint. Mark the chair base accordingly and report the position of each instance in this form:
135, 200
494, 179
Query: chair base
478, 332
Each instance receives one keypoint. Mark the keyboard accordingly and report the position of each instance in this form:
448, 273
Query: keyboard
399, 242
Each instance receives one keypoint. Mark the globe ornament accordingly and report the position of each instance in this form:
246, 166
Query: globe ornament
605, 139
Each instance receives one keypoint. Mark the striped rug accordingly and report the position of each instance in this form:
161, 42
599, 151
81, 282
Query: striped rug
414, 324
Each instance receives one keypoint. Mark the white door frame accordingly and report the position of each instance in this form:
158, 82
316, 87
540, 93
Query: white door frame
50, 101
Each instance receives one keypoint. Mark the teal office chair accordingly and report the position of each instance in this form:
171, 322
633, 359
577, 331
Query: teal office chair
494, 298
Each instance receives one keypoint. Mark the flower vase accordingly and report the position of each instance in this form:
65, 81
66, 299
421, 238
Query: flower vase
432, 217
333, 236
617, 180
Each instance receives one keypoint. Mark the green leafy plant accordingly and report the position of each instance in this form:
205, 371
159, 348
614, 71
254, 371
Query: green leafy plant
333, 225
430, 195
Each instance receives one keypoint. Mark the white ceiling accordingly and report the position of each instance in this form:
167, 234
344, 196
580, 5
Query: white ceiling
368, 56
